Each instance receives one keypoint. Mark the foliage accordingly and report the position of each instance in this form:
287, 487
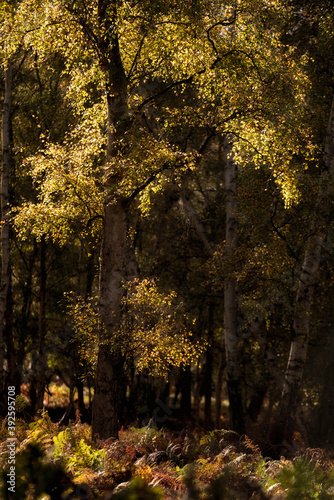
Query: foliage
228, 472
196, 71
41, 431
151, 439
305, 480
66, 176
84, 315
20, 403
35, 477
153, 332
156, 329
213, 443
74, 453
145, 167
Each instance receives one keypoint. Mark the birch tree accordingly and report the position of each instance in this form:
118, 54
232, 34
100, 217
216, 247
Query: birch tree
132, 161
230, 294
308, 278
115, 152
109, 383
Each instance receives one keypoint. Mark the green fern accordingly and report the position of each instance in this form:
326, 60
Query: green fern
74, 454
86, 457
61, 446
41, 432
305, 481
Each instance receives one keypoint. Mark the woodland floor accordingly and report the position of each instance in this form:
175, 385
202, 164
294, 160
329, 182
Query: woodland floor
61, 462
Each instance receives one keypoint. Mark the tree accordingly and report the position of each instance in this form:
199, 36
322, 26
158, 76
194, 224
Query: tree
101, 23
146, 121
230, 295
304, 300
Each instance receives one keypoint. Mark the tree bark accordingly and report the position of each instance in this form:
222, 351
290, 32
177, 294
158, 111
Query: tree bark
230, 295
38, 375
197, 224
109, 372
291, 394
5, 241
219, 385
260, 334
109, 386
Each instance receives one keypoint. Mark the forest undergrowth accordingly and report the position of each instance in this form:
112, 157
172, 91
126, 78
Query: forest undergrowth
58, 463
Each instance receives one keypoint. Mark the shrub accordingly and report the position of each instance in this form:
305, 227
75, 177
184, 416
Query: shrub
304, 480
73, 453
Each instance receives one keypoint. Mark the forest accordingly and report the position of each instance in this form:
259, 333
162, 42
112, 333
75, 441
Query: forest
167, 259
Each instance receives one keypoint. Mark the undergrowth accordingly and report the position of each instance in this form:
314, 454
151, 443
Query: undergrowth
149, 464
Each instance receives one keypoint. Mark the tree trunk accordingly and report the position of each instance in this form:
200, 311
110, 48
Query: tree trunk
109, 372
38, 374
256, 402
260, 334
291, 394
109, 384
15, 355
5, 242
230, 295
197, 396
197, 224
219, 385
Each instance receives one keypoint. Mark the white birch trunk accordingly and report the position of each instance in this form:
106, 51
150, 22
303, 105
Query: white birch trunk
230, 294
5, 243
301, 325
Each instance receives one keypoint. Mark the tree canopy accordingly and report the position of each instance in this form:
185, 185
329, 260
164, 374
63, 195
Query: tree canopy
160, 160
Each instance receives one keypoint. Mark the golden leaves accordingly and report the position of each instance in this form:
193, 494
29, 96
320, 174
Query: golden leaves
84, 316
68, 181
153, 331
143, 167
157, 329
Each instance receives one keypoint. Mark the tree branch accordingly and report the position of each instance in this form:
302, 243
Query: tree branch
135, 59
148, 181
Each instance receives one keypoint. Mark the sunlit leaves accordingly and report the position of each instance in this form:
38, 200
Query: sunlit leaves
156, 329
159, 41
83, 315
260, 88
68, 180
86, 87
143, 166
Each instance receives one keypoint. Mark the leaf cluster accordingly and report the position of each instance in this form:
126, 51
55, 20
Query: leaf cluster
67, 177
156, 329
